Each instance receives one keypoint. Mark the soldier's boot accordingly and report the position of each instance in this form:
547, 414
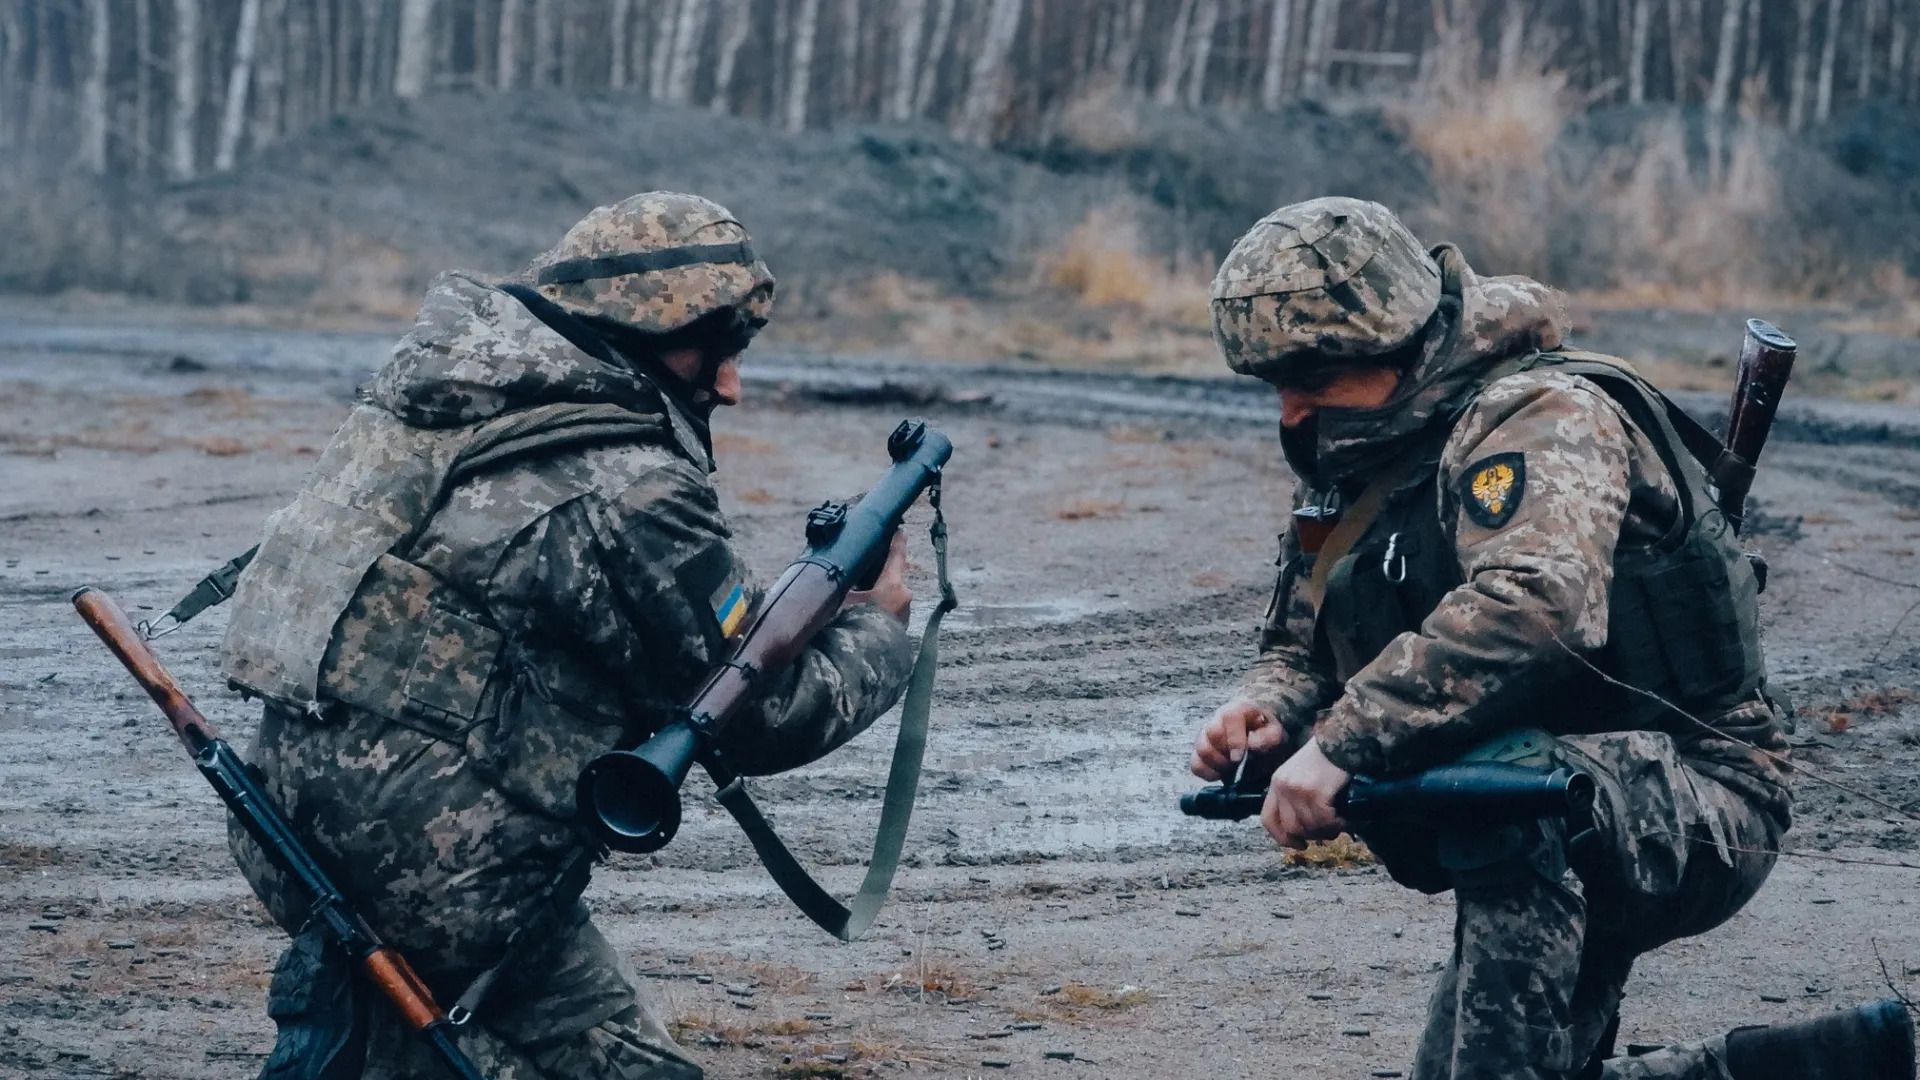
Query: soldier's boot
1872, 1042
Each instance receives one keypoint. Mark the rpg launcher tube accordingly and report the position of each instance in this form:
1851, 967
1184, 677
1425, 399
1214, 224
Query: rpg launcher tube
1474, 792
630, 799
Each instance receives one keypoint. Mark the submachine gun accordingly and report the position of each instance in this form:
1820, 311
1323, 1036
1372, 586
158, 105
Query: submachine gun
1478, 792
630, 799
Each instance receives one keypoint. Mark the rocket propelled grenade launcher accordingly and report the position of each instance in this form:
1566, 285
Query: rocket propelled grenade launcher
1482, 792
1766, 363
630, 799
255, 809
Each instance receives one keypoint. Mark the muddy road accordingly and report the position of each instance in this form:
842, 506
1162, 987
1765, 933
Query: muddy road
1113, 541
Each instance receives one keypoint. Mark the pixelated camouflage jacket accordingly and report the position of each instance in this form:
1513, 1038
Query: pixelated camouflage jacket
551, 604
1536, 584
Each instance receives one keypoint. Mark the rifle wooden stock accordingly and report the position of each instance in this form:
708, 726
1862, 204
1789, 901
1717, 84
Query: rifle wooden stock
255, 809
1766, 363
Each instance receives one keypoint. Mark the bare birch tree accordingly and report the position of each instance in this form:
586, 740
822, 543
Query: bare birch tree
987, 86
1637, 51
1206, 17
507, 45
1273, 75
415, 48
1320, 35
239, 83
186, 88
93, 90
1823, 103
911, 17
1176, 63
1723, 60
736, 21
683, 53
800, 77
936, 51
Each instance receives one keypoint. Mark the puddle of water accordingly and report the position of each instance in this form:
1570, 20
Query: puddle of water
998, 616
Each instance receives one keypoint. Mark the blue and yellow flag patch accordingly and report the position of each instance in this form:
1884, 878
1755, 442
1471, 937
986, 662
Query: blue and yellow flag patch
730, 610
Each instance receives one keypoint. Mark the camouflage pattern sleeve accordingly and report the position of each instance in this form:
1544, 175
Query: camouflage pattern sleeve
645, 581
1283, 679
1534, 483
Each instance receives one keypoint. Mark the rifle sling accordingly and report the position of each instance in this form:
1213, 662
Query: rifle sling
1353, 524
849, 921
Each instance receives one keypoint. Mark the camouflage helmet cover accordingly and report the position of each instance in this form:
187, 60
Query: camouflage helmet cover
1327, 279
656, 262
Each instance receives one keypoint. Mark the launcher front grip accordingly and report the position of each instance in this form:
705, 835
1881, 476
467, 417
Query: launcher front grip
1475, 792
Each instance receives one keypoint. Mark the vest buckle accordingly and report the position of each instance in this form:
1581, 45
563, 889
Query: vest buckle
1393, 565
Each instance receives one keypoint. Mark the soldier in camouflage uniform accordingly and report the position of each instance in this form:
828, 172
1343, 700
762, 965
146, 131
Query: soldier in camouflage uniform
510, 559
1492, 533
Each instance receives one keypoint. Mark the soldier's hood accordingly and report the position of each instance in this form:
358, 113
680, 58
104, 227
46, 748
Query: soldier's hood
1481, 324
475, 353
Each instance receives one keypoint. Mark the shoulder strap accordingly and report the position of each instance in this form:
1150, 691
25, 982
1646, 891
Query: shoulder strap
1354, 523
849, 921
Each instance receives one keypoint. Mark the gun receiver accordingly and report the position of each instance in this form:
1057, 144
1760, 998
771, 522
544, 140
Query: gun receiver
631, 798
1485, 792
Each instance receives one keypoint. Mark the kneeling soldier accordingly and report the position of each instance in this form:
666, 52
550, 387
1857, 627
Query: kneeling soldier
509, 560
1492, 534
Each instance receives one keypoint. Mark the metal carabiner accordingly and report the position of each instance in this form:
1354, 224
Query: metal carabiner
1393, 565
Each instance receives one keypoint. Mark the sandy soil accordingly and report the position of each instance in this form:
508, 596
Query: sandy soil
1113, 545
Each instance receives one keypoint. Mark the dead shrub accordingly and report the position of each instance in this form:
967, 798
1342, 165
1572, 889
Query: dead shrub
1104, 262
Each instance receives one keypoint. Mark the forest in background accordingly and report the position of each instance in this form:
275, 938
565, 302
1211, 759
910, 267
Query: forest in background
1043, 179
184, 87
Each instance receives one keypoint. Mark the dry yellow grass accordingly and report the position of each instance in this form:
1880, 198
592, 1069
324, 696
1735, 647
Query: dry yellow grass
1342, 852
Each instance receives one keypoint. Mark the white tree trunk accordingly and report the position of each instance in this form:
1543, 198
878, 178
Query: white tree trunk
912, 16
1206, 18
1823, 105
1273, 77
93, 90
987, 87
1637, 51
1513, 39
617, 50
1176, 66
507, 45
186, 87
1869, 23
1320, 35
736, 21
936, 52
1723, 61
546, 43
685, 59
239, 82
1897, 58
800, 78
269, 72
666, 17
413, 61
1798, 88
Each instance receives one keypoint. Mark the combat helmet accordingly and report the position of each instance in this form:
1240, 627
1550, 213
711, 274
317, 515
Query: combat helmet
1323, 281
656, 263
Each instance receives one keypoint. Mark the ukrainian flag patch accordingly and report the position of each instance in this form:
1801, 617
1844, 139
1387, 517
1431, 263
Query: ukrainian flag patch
730, 610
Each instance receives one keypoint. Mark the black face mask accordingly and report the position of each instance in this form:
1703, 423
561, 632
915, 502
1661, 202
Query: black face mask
1301, 446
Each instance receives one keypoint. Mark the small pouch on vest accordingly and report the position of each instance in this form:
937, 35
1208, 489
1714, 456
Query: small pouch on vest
419, 657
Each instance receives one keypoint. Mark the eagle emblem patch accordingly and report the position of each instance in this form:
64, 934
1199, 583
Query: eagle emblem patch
1493, 488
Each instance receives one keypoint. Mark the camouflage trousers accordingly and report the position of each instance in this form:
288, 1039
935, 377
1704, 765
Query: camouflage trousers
538, 1029
1541, 953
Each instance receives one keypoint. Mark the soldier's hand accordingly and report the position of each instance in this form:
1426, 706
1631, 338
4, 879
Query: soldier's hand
889, 593
1239, 728
1299, 804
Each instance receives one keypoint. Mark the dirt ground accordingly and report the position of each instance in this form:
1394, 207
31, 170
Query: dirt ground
1113, 542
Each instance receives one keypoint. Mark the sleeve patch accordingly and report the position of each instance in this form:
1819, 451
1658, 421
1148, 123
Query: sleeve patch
1492, 488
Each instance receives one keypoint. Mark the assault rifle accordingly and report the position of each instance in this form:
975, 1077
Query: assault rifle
630, 799
1480, 792
250, 804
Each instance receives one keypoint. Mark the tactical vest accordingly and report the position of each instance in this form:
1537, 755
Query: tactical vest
331, 611
1683, 620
